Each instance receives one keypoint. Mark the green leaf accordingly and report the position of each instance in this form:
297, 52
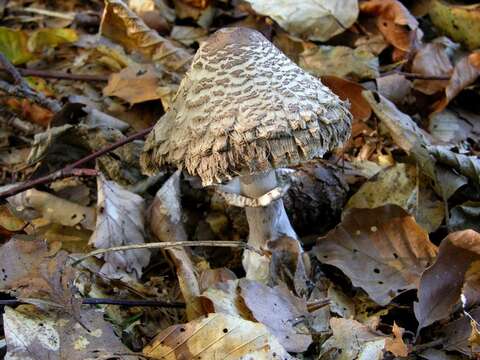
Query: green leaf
48, 38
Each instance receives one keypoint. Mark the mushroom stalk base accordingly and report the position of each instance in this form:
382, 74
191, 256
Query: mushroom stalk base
265, 223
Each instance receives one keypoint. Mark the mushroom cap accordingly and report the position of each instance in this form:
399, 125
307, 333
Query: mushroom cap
244, 107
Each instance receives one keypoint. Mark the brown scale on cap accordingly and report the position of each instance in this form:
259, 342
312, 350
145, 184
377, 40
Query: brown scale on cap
244, 106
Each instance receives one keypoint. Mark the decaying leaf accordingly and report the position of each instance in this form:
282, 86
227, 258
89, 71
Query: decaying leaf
465, 72
465, 216
339, 61
458, 21
46, 38
120, 221
396, 345
122, 25
395, 22
279, 310
401, 185
352, 340
9, 221
381, 250
317, 20
216, 336
433, 59
165, 220
441, 284
54, 209
452, 127
34, 334
351, 91
13, 44
138, 83
457, 333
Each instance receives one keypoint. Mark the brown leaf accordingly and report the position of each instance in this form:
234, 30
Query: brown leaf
28, 110
216, 336
441, 284
381, 250
137, 83
122, 25
395, 22
351, 91
433, 60
465, 72
201, 4
456, 334
396, 345
279, 310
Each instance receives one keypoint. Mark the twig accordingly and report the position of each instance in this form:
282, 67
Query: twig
47, 74
12, 70
101, 301
72, 169
415, 76
168, 245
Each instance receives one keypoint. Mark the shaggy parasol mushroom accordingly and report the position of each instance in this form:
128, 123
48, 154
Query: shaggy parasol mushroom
243, 110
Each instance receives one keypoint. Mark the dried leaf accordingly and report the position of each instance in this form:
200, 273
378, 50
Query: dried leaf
353, 340
120, 221
339, 61
165, 220
279, 310
317, 20
395, 88
460, 22
9, 221
216, 336
456, 334
395, 22
449, 126
464, 74
351, 91
122, 25
396, 345
433, 60
381, 250
48, 38
465, 216
441, 284
33, 334
54, 209
401, 185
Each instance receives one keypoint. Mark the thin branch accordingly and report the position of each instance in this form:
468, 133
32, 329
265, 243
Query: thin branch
47, 74
24, 91
170, 244
12, 70
415, 76
101, 301
72, 169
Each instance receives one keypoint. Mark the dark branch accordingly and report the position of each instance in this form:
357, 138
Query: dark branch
120, 302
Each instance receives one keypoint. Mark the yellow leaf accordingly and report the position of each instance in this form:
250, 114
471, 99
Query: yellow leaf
13, 44
47, 38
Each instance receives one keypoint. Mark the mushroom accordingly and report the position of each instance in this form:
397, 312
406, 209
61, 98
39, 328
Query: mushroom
243, 110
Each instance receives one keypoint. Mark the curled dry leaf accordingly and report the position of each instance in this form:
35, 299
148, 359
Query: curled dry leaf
396, 345
465, 72
279, 310
441, 284
317, 20
456, 334
381, 250
216, 336
120, 221
138, 83
396, 88
351, 91
460, 22
122, 25
339, 61
395, 22
433, 60
401, 185
33, 334
165, 220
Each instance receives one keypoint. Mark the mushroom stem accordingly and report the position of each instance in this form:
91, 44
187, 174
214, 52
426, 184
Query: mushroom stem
265, 223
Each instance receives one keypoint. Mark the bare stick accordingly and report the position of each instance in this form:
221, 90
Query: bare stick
47, 74
415, 76
101, 301
72, 169
12, 70
168, 245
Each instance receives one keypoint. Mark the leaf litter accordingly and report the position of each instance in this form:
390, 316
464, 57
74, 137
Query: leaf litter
389, 223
